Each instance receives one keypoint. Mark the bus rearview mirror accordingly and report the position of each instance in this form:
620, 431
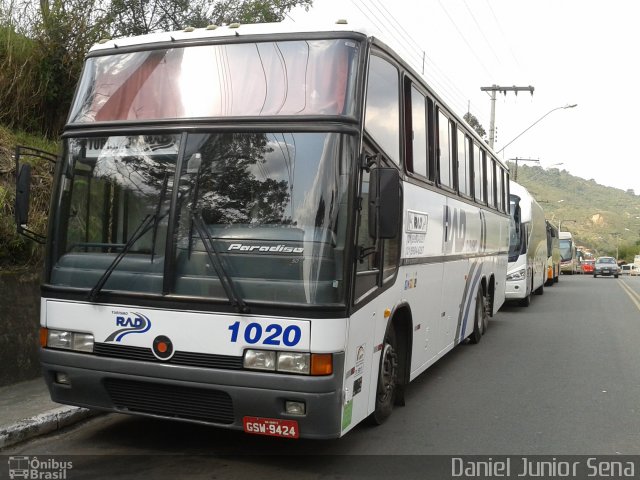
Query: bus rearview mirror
384, 203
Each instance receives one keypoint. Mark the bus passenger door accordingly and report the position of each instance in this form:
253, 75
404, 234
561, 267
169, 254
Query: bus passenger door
375, 268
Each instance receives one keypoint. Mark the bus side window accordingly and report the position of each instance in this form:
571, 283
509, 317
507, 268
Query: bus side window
417, 141
382, 115
464, 170
491, 182
478, 173
445, 153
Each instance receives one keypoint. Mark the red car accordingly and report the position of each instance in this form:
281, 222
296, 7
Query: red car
587, 266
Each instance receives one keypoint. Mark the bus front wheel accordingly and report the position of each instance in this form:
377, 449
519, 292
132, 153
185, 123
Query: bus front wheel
387, 379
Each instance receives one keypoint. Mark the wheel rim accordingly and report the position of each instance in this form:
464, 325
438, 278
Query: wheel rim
479, 314
387, 379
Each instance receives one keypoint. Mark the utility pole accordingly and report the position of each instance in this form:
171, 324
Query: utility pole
515, 176
496, 88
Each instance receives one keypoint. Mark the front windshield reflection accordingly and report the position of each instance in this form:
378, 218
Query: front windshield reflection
274, 206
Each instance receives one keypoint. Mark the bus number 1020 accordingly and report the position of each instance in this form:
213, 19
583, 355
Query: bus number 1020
272, 334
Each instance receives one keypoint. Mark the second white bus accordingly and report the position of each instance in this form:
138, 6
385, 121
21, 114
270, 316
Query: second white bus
527, 271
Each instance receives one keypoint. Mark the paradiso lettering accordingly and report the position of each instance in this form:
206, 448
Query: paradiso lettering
264, 248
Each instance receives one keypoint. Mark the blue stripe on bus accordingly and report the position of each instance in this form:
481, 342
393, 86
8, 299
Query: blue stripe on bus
465, 296
467, 307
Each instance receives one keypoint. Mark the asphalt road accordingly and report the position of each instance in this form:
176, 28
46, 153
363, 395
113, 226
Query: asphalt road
561, 377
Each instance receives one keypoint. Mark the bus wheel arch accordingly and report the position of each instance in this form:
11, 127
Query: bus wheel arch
394, 367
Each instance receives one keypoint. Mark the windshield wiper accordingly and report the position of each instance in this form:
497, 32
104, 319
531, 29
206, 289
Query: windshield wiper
137, 234
225, 279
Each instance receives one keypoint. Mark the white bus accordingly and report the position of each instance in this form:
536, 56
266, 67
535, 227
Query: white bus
264, 229
553, 252
568, 254
527, 270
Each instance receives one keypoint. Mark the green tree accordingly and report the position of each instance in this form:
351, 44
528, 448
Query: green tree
138, 17
475, 124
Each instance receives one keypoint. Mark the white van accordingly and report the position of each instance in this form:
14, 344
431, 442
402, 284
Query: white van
629, 269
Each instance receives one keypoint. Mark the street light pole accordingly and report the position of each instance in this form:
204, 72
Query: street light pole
535, 123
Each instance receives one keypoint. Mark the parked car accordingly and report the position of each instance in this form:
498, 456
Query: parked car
587, 266
629, 269
606, 266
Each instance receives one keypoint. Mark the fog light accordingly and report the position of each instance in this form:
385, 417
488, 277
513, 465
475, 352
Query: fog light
63, 378
295, 408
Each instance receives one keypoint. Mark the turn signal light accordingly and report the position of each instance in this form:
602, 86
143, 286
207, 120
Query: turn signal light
321, 364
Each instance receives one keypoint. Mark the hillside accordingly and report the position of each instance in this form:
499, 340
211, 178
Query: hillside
603, 217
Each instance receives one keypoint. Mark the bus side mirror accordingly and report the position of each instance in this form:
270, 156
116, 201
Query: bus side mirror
384, 203
23, 192
23, 189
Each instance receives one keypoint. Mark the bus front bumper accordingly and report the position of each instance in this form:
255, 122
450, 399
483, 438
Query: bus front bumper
515, 289
200, 395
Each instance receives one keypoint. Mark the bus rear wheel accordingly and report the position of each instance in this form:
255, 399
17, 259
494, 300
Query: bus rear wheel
480, 320
387, 379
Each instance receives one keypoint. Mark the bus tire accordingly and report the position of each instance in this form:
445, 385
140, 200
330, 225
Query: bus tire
480, 318
540, 290
387, 379
526, 301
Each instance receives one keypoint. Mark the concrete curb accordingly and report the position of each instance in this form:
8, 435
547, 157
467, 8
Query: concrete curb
42, 424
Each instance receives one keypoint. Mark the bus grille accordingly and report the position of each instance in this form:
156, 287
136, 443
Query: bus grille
191, 359
171, 401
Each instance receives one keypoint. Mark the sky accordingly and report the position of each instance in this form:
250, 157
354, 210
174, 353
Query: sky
580, 52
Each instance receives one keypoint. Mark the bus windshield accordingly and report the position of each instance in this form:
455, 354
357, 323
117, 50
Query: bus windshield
312, 77
566, 249
516, 233
263, 212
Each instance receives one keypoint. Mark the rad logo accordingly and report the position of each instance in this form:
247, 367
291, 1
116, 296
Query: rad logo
134, 323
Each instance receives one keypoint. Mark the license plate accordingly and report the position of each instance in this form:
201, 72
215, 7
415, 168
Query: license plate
274, 427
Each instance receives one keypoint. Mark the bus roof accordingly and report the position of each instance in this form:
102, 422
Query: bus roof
235, 30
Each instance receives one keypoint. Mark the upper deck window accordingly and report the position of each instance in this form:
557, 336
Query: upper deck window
241, 79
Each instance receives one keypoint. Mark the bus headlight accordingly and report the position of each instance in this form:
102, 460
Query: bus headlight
260, 360
294, 362
302, 363
67, 340
517, 275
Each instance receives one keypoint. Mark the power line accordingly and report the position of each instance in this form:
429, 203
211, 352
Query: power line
448, 87
506, 41
481, 30
464, 39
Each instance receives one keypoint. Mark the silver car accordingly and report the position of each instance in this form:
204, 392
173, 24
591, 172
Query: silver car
606, 266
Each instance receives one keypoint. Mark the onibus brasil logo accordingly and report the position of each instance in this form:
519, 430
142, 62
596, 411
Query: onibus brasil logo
32, 467
138, 323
